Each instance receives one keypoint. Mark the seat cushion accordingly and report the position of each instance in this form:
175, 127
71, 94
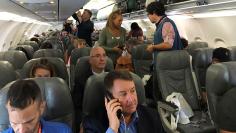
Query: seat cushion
200, 123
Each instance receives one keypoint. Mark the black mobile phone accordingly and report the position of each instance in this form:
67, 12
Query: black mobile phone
109, 97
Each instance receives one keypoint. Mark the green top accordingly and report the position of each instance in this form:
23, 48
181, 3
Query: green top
107, 41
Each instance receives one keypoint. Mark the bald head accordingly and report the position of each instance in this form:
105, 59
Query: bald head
97, 59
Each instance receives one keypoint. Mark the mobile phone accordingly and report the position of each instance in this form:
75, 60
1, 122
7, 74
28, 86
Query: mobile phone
121, 47
109, 97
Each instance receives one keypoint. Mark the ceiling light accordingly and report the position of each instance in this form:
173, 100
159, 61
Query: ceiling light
52, 2
36, 12
21, 2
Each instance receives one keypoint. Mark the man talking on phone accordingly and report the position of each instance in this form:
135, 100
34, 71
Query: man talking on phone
122, 96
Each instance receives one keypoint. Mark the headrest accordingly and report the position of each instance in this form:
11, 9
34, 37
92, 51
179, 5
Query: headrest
49, 53
173, 60
7, 73
79, 52
94, 93
195, 45
27, 49
232, 53
59, 66
33, 44
203, 57
139, 52
221, 76
56, 43
59, 105
15, 57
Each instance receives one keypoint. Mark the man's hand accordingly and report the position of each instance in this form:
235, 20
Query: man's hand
112, 107
150, 48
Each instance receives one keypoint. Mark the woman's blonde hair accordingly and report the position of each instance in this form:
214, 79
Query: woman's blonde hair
111, 18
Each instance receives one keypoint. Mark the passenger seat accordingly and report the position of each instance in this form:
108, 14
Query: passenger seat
220, 78
58, 100
59, 65
49, 53
142, 60
7, 73
174, 74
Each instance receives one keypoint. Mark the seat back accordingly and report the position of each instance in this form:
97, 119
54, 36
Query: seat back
174, 74
8, 73
141, 60
27, 49
15, 57
59, 66
194, 45
83, 66
202, 60
33, 44
56, 43
220, 78
77, 53
59, 105
49, 53
94, 93
232, 53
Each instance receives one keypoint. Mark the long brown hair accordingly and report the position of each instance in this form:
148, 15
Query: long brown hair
111, 18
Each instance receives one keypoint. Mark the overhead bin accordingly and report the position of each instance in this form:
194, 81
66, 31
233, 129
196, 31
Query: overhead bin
185, 7
199, 6
104, 13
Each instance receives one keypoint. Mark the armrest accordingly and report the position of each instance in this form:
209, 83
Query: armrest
167, 106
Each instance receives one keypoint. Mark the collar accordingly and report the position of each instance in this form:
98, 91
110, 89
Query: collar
97, 73
157, 24
134, 118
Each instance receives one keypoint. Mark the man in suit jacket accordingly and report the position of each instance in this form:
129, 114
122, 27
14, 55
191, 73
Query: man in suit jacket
133, 119
95, 66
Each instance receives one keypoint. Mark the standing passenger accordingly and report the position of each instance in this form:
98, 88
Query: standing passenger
85, 26
112, 37
166, 36
136, 32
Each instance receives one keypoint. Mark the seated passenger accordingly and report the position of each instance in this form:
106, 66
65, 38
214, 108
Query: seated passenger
35, 39
42, 69
46, 45
78, 43
25, 107
220, 55
134, 118
225, 112
184, 42
97, 61
135, 32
